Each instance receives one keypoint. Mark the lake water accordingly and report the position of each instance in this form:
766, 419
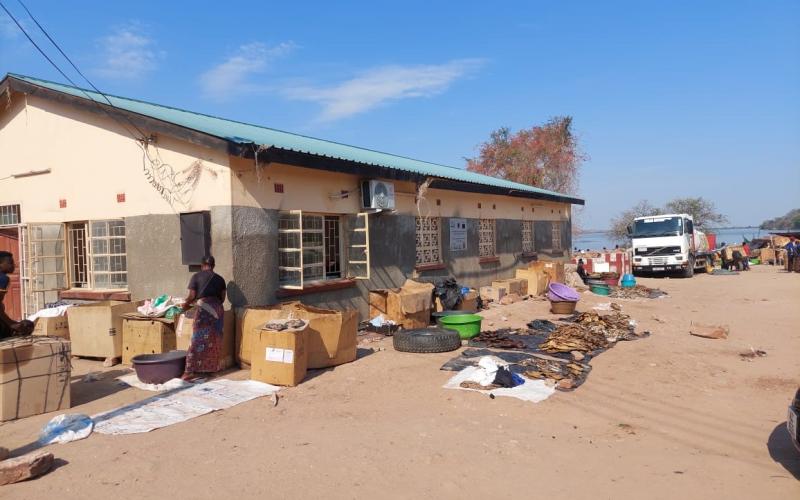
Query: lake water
598, 239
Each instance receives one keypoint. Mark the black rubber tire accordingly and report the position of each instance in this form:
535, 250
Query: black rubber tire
689, 271
426, 340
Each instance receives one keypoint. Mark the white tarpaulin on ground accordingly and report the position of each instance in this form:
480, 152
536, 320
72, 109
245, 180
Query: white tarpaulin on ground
180, 405
532, 390
132, 380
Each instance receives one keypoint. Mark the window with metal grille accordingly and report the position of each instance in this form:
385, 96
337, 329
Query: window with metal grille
309, 248
9, 215
78, 260
527, 236
429, 248
486, 239
109, 265
556, 236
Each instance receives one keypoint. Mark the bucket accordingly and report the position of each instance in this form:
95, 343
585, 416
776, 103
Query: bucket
467, 325
563, 306
600, 289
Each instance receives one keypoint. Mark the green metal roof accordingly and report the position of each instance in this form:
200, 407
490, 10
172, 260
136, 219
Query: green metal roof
243, 133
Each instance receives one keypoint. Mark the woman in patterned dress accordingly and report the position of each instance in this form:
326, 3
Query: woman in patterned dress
207, 292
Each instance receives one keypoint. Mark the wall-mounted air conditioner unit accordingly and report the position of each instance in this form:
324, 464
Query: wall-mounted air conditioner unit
377, 195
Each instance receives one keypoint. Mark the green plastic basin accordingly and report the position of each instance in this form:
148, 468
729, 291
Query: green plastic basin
600, 289
467, 325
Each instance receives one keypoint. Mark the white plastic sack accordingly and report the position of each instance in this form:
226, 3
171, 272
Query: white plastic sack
65, 428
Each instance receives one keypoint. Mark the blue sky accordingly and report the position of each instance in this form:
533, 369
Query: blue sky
669, 99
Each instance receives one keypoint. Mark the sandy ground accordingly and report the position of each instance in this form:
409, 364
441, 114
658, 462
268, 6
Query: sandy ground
670, 416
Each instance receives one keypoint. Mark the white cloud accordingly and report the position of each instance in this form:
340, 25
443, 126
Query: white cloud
231, 76
128, 54
384, 84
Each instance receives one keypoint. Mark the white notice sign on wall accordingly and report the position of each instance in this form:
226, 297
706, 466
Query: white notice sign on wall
458, 235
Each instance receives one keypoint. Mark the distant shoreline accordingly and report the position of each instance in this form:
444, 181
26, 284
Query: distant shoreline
605, 231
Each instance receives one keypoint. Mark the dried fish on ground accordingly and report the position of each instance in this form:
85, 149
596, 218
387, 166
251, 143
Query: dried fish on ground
615, 326
575, 337
568, 375
637, 292
499, 339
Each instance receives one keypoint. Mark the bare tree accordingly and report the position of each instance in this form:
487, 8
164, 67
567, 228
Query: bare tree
620, 223
703, 211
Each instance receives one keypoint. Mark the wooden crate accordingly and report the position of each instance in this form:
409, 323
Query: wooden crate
146, 336
96, 329
52, 327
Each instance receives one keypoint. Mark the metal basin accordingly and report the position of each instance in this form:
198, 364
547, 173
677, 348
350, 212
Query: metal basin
159, 368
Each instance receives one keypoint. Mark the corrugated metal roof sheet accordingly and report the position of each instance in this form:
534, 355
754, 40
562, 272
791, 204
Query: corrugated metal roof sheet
244, 133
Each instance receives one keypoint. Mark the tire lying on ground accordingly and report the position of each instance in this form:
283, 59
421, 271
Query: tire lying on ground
426, 340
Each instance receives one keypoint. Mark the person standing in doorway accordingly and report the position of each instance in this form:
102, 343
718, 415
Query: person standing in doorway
207, 291
9, 327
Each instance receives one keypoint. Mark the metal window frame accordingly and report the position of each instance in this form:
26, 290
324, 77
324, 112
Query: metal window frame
71, 247
15, 211
91, 255
556, 236
528, 244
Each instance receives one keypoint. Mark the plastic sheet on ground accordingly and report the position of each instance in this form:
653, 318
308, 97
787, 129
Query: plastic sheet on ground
65, 428
132, 380
532, 390
180, 405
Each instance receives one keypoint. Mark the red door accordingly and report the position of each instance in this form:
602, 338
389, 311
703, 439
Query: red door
9, 242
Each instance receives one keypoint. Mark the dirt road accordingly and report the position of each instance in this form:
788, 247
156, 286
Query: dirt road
670, 416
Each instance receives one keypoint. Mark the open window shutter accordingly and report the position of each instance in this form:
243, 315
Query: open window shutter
44, 264
290, 250
358, 249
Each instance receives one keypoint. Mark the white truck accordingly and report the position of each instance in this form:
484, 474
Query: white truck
668, 243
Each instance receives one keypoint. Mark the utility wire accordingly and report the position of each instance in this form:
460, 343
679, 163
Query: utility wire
52, 63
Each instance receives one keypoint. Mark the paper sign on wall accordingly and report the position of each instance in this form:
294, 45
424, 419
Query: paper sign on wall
280, 355
458, 235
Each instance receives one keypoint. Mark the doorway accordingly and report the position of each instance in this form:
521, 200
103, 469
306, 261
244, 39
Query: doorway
9, 242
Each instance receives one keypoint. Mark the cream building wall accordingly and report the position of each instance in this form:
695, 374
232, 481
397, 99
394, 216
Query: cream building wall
92, 159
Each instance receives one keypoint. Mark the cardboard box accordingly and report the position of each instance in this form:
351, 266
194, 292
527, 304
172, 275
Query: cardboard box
146, 336
52, 327
469, 302
331, 338
183, 336
553, 269
512, 285
34, 376
767, 256
408, 306
96, 329
492, 293
279, 358
536, 279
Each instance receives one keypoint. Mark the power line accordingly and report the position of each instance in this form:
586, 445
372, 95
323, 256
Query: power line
52, 63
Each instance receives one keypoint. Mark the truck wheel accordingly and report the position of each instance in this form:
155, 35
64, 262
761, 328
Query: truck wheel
426, 340
689, 271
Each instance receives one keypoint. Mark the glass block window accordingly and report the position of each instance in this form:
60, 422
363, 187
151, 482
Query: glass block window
9, 215
109, 262
429, 248
556, 236
527, 236
486, 239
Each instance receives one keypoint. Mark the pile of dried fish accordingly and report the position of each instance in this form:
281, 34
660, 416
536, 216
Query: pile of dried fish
615, 326
575, 337
499, 340
567, 375
637, 292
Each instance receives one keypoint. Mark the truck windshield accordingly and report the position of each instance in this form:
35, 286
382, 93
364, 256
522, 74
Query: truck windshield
657, 226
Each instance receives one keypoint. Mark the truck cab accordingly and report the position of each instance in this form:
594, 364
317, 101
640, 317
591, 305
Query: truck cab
668, 243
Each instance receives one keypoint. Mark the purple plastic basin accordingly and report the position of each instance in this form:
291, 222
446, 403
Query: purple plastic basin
159, 368
559, 292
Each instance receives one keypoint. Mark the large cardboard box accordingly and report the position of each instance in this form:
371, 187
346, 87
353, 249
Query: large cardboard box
537, 280
492, 293
146, 336
553, 269
331, 338
469, 302
513, 285
96, 329
408, 306
183, 336
279, 358
34, 376
52, 327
